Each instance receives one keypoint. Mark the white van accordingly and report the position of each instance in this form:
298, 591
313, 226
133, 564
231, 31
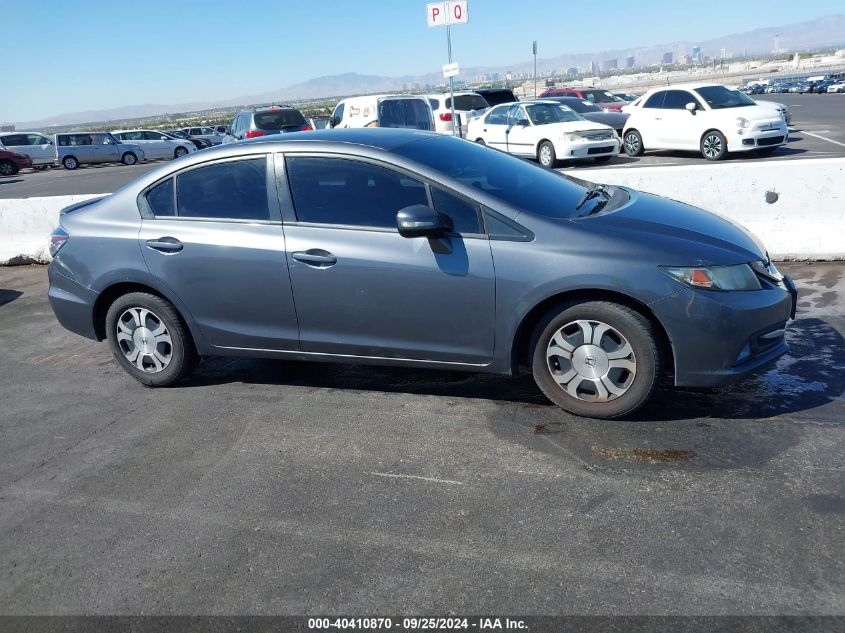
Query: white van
37, 146
405, 111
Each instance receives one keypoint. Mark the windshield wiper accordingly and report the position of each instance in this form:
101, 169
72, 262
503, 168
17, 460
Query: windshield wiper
594, 192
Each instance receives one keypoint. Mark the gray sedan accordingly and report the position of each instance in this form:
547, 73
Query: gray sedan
592, 112
396, 247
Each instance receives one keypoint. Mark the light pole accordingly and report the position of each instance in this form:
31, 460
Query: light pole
535, 69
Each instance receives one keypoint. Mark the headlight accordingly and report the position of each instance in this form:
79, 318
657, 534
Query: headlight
739, 277
742, 122
573, 137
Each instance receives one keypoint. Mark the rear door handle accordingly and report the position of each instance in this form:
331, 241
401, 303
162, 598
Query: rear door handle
165, 245
315, 257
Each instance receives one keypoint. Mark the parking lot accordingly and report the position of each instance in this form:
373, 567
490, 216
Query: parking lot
817, 131
284, 487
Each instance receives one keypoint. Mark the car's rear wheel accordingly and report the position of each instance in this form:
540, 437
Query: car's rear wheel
129, 159
714, 145
149, 340
180, 151
633, 143
8, 168
546, 154
70, 162
597, 359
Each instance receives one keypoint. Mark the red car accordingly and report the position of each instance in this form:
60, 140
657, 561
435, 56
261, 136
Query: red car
12, 162
602, 98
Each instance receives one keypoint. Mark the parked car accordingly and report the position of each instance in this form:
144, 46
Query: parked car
592, 112
257, 122
806, 87
199, 143
496, 96
781, 109
208, 133
156, 144
822, 86
468, 105
837, 87
39, 147
403, 111
625, 96
544, 130
12, 162
602, 98
709, 118
471, 259
75, 149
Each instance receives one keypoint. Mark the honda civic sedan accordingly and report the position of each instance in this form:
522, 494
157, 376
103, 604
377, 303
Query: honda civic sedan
414, 249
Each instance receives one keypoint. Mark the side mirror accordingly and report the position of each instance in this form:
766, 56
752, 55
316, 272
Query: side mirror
419, 221
691, 107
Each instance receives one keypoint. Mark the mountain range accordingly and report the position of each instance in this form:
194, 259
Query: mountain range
825, 31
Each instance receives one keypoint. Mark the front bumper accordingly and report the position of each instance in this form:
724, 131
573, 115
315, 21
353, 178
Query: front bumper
720, 337
587, 149
754, 137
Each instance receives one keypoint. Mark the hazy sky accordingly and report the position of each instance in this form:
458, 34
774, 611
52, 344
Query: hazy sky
74, 55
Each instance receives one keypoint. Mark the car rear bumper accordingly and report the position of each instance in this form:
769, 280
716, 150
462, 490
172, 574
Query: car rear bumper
72, 303
720, 337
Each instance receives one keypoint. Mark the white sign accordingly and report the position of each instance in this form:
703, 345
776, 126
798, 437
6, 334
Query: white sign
450, 70
447, 13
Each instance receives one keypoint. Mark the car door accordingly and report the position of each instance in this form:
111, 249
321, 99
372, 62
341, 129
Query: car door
212, 233
41, 149
649, 119
156, 145
362, 289
679, 128
520, 132
86, 150
495, 127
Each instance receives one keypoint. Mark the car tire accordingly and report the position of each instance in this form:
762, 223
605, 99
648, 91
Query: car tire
8, 168
714, 145
129, 158
546, 154
608, 364
149, 340
603, 159
633, 143
70, 162
180, 151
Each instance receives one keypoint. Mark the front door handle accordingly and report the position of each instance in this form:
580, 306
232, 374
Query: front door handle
315, 257
165, 245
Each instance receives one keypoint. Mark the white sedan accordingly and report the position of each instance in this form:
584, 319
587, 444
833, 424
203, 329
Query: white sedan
157, 144
545, 130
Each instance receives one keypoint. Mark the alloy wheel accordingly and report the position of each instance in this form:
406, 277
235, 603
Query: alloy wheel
712, 146
591, 360
144, 340
545, 156
6, 168
632, 144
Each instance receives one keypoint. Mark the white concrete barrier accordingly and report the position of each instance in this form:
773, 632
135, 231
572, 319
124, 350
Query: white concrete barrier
796, 207
26, 224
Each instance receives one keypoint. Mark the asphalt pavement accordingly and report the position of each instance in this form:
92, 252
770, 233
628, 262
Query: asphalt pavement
817, 131
269, 487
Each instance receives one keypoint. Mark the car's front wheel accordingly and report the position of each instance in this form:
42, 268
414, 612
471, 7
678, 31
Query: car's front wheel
633, 143
596, 359
180, 151
129, 159
546, 154
149, 340
8, 168
714, 145
70, 162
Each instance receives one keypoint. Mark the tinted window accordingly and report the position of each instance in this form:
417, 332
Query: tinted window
232, 190
545, 113
498, 116
463, 214
407, 113
15, 140
512, 180
341, 191
677, 100
278, 119
161, 200
719, 97
655, 100
495, 97
151, 136
37, 139
434, 103
468, 102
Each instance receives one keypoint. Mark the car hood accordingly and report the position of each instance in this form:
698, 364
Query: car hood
615, 120
685, 235
575, 126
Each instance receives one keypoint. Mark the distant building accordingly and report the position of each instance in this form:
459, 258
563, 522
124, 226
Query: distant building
668, 58
572, 71
696, 54
7, 128
630, 61
594, 68
608, 64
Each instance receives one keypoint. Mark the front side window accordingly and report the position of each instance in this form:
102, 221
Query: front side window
498, 115
152, 136
546, 113
350, 192
37, 139
232, 190
462, 214
678, 100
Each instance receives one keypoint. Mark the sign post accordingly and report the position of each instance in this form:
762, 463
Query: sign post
535, 69
446, 14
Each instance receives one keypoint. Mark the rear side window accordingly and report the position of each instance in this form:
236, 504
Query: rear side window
655, 100
495, 97
678, 100
278, 120
161, 200
463, 214
468, 102
350, 192
406, 113
234, 190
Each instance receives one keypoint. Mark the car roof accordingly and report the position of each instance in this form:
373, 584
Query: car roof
377, 138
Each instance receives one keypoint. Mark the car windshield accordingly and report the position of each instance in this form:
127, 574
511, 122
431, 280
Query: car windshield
278, 119
545, 113
599, 96
720, 97
514, 181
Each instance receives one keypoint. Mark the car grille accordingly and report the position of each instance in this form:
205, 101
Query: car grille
599, 136
601, 150
774, 140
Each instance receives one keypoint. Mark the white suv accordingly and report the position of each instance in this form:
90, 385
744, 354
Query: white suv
468, 105
707, 118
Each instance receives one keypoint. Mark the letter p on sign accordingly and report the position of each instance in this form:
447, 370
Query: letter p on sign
444, 13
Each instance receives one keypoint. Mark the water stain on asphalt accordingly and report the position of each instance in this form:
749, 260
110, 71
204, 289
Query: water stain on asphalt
642, 454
